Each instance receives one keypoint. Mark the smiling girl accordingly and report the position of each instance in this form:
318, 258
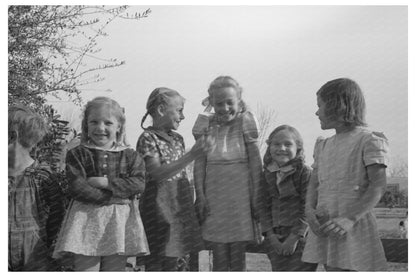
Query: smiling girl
227, 178
282, 200
103, 224
167, 205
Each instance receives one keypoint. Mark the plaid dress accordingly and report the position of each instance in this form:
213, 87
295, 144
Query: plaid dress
103, 222
36, 207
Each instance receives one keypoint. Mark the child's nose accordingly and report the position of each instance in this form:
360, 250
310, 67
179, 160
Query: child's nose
101, 126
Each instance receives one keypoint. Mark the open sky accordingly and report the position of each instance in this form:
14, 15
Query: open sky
280, 55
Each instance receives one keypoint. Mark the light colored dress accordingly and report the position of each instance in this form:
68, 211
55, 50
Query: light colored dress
111, 224
341, 162
227, 181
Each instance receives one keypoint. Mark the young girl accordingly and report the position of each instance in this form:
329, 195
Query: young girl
282, 200
227, 178
167, 204
36, 204
103, 225
348, 178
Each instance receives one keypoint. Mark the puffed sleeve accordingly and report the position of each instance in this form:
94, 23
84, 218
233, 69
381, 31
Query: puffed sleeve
316, 150
250, 127
201, 124
376, 149
146, 146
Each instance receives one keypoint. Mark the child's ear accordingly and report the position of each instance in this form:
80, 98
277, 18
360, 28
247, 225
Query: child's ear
160, 110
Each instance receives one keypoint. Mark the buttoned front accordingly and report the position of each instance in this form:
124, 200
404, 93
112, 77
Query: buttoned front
282, 202
102, 222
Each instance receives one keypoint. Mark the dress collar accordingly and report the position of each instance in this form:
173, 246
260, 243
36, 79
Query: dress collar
114, 148
168, 136
274, 167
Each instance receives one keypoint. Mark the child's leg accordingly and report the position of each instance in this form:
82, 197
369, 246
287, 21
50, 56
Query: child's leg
86, 263
238, 256
169, 264
221, 254
153, 263
289, 263
113, 263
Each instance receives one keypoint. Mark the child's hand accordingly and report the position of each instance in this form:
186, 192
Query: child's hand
337, 227
289, 245
204, 144
98, 182
275, 243
209, 141
313, 222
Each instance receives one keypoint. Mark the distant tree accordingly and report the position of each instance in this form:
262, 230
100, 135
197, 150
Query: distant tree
55, 49
398, 169
265, 117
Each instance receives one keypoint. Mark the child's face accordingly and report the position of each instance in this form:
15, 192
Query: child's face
326, 123
173, 114
102, 127
282, 147
226, 103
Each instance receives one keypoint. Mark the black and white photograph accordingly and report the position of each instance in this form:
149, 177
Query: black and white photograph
210, 137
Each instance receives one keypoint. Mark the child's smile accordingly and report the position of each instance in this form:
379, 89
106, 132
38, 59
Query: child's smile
173, 114
102, 127
283, 147
226, 103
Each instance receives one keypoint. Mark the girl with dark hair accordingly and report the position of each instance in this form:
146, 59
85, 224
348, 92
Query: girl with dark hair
348, 179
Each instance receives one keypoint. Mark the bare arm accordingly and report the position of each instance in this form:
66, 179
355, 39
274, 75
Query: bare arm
199, 175
377, 183
311, 202
255, 167
312, 191
159, 172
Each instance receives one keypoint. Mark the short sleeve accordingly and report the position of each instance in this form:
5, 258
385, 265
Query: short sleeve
250, 127
376, 149
201, 124
146, 146
316, 150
